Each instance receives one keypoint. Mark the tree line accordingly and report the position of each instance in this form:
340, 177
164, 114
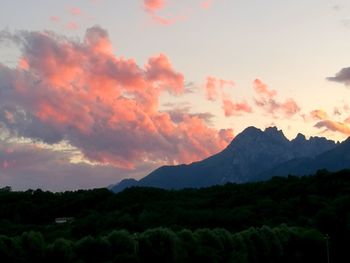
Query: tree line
265, 244
320, 202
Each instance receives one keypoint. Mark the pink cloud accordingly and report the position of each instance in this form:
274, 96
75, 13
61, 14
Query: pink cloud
289, 107
23, 64
153, 5
215, 87
231, 108
72, 25
75, 11
263, 90
266, 99
206, 4
163, 20
211, 89
226, 134
159, 69
105, 106
5, 164
55, 19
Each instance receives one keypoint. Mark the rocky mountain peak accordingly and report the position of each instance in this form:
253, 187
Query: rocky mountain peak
250, 131
299, 138
275, 134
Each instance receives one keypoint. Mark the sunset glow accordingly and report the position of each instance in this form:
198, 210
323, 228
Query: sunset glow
133, 85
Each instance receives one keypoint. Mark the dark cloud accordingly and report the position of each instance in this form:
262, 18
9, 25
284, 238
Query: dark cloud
24, 166
190, 87
343, 76
178, 115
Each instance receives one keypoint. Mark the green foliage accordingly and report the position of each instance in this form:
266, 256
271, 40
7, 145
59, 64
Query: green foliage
159, 245
165, 245
229, 223
10, 249
33, 246
121, 242
60, 251
91, 249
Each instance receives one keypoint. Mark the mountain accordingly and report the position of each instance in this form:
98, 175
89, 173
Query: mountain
252, 155
126, 183
333, 160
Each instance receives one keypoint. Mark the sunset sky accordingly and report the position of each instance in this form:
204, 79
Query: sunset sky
94, 91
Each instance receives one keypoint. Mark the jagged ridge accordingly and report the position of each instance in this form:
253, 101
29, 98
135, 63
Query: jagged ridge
252, 156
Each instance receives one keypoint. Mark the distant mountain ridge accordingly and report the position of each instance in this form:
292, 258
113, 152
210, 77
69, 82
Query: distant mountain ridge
252, 155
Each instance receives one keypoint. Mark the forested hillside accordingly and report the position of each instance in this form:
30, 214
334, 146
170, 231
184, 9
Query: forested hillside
280, 220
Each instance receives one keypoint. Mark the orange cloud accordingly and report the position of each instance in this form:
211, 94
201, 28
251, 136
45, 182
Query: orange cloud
325, 122
319, 114
334, 126
266, 99
153, 5
104, 105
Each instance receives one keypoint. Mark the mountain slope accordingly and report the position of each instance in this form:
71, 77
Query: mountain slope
333, 160
247, 158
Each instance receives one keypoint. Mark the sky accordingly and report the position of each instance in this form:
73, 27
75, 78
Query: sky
95, 91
